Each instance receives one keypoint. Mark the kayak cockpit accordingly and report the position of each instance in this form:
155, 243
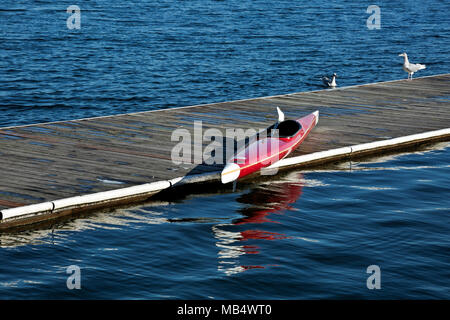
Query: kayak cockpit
286, 129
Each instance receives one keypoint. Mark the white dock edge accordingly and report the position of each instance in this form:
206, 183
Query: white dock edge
110, 195
85, 200
96, 198
360, 148
26, 210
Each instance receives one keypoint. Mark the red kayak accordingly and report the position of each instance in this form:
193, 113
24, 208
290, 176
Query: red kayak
265, 151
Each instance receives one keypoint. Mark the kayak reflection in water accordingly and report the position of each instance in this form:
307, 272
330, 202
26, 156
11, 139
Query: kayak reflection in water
260, 206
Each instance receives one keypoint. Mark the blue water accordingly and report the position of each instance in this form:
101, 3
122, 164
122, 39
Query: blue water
299, 235
140, 55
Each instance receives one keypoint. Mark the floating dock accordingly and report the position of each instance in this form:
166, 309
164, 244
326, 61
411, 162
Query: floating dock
61, 168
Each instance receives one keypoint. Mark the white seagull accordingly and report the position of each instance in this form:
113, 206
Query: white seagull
328, 83
410, 67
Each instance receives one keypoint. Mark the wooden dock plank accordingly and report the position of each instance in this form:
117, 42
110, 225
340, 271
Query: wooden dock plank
46, 162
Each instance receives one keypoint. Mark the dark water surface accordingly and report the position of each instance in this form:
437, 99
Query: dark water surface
298, 235
301, 235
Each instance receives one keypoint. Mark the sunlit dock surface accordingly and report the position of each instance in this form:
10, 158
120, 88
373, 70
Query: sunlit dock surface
43, 163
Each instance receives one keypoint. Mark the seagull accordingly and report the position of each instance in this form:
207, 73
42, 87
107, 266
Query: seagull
410, 67
328, 83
